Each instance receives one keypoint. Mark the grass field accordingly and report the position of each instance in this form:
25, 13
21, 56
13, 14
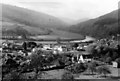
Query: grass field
53, 74
56, 74
59, 34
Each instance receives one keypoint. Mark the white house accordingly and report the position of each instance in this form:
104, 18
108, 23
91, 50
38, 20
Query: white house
81, 59
115, 64
58, 48
47, 47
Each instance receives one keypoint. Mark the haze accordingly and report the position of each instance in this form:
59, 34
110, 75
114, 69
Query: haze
68, 9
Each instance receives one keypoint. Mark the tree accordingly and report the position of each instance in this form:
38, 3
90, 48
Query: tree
115, 55
108, 54
118, 47
118, 60
61, 61
78, 68
37, 62
24, 36
58, 40
108, 60
68, 75
24, 46
103, 70
75, 45
92, 67
14, 76
92, 49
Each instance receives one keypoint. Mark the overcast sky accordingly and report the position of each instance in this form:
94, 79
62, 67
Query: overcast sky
71, 9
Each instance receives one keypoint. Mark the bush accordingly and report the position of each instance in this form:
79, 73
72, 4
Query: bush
103, 70
76, 68
118, 60
13, 76
92, 66
68, 75
108, 60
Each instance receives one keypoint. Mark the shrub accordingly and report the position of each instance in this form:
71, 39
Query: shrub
108, 60
76, 68
13, 76
68, 75
103, 70
118, 60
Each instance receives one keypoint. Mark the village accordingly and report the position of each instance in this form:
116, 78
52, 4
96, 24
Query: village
79, 59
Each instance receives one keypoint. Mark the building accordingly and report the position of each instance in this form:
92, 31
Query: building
86, 40
11, 36
116, 65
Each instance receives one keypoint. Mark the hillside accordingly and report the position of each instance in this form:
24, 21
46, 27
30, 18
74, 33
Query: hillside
29, 17
73, 22
39, 23
32, 21
21, 21
103, 26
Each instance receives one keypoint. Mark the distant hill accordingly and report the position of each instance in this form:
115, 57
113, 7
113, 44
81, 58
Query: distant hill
20, 21
73, 22
29, 17
31, 21
103, 26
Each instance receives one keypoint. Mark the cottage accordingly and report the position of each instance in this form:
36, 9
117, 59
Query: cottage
116, 65
11, 37
47, 47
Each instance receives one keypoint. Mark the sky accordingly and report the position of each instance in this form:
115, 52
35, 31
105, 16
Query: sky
70, 9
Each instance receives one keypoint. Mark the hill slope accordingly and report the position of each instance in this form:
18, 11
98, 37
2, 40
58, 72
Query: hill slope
29, 17
21, 21
103, 26
28, 20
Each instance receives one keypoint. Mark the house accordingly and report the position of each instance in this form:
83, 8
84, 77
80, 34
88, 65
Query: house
10, 36
115, 64
86, 40
47, 47
83, 56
